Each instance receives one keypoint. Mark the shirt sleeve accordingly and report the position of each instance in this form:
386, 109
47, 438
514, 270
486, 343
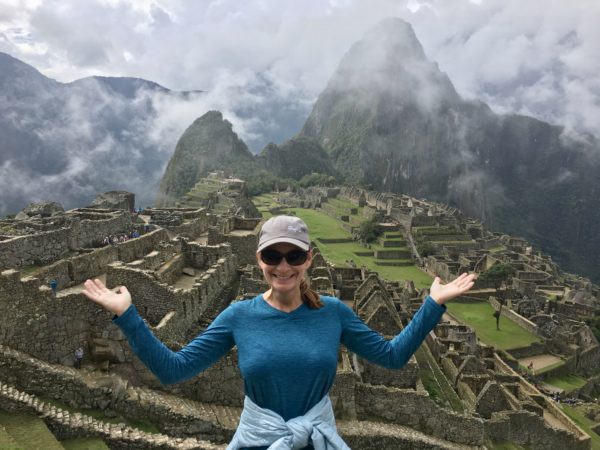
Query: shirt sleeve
170, 366
393, 354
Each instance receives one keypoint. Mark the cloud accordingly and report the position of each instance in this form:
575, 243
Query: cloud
534, 58
264, 62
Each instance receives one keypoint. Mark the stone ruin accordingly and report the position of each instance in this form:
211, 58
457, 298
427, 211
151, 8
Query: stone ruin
182, 272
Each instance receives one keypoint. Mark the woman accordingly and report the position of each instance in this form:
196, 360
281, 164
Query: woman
287, 339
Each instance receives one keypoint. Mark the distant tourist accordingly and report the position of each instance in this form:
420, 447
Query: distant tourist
287, 339
146, 228
54, 286
78, 357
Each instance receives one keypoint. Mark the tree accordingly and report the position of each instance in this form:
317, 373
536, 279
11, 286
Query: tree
369, 230
498, 275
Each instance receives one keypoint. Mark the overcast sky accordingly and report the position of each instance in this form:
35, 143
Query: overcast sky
536, 57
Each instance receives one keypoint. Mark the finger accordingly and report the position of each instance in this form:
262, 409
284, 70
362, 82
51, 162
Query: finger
100, 285
123, 290
91, 287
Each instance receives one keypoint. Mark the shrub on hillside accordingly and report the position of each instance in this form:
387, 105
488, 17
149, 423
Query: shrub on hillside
369, 231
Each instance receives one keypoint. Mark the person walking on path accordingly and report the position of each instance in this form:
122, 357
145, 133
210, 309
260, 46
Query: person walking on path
288, 340
78, 357
54, 286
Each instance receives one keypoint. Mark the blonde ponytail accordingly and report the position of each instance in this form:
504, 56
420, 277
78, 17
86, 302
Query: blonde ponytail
310, 297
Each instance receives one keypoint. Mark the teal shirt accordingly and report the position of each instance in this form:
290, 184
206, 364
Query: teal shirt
288, 360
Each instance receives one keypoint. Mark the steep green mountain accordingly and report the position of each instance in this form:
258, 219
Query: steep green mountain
207, 145
295, 158
391, 120
68, 141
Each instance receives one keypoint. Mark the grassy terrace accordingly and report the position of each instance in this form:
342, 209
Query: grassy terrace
480, 317
567, 382
586, 424
323, 226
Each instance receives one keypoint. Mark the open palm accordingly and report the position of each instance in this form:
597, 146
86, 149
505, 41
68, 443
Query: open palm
114, 301
441, 293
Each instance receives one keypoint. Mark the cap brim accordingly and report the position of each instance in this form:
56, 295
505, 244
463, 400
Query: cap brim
303, 245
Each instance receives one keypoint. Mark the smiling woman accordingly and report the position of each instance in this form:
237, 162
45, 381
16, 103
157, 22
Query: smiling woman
288, 341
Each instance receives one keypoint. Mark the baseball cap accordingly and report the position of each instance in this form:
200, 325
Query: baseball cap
284, 229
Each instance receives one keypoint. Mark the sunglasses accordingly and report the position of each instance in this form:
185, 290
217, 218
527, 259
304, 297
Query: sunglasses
273, 257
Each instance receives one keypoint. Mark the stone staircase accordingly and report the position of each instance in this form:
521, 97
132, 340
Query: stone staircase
64, 425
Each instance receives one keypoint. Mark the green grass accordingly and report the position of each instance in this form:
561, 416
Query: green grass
84, 444
567, 382
322, 225
479, 316
585, 423
28, 431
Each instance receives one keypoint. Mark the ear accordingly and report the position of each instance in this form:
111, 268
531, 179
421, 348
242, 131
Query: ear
310, 257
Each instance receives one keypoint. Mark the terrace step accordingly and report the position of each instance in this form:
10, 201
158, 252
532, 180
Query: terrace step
395, 263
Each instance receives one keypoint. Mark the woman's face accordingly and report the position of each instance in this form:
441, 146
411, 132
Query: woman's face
283, 277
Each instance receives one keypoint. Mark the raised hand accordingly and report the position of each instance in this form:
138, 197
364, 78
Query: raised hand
441, 293
115, 302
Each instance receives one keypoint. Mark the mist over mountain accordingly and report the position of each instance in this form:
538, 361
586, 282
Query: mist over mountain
68, 141
208, 144
391, 120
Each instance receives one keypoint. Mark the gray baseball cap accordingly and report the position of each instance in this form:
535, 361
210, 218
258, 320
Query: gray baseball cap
284, 229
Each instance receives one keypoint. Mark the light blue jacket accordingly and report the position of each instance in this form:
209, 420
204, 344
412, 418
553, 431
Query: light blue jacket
259, 427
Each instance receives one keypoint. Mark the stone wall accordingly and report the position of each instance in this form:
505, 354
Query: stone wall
89, 233
136, 248
515, 317
44, 247
48, 328
203, 256
418, 411
244, 247
529, 429
40, 248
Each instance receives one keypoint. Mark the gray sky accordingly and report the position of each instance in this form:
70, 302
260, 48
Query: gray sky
535, 57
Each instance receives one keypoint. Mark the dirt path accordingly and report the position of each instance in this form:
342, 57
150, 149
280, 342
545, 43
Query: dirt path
540, 361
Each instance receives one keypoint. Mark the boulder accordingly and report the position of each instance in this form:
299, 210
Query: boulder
114, 200
42, 209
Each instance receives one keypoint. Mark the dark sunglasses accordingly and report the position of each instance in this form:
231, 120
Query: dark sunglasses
273, 257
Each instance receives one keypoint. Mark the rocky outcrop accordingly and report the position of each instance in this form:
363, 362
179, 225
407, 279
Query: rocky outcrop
114, 200
208, 144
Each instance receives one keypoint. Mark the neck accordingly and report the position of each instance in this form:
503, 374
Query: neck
284, 302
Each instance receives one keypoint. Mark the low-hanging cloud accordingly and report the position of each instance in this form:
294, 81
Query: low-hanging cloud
263, 64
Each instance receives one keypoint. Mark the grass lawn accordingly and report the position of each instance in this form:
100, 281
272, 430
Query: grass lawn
28, 431
84, 444
585, 423
322, 225
480, 317
567, 382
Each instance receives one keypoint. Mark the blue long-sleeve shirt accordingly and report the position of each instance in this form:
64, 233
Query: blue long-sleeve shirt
288, 360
